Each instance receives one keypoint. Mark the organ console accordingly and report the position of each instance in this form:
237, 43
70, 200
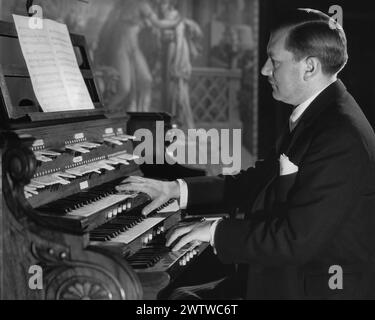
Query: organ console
60, 209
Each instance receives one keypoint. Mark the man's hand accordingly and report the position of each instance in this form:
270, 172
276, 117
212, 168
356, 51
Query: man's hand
186, 233
159, 191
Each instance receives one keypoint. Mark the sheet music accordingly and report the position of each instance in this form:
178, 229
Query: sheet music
57, 81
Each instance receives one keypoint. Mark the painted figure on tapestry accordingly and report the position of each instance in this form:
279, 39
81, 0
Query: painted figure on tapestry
121, 47
183, 47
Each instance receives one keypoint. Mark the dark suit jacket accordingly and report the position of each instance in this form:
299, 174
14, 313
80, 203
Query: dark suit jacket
298, 226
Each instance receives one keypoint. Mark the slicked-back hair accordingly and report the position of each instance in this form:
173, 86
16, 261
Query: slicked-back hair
312, 33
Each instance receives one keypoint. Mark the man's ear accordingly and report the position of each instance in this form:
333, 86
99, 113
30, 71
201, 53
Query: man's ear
312, 68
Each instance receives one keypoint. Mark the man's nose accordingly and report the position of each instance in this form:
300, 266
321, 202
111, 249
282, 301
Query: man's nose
267, 68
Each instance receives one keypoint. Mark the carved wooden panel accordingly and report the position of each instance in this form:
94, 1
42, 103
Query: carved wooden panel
213, 95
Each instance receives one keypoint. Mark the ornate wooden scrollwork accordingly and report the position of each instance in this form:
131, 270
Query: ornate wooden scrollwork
84, 288
19, 165
69, 279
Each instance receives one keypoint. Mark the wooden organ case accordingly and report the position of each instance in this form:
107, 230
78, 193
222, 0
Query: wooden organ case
60, 212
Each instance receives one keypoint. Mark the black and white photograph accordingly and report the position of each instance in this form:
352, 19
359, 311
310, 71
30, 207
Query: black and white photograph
196, 153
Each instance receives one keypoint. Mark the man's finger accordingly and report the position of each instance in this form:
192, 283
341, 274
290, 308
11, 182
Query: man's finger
176, 234
178, 225
152, 206
183, 241
132, 179
127, 185
172, 229
131, 187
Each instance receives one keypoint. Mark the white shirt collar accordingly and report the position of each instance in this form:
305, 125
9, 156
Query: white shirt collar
300, 109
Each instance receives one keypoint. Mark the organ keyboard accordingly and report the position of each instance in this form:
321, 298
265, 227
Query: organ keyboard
60, 207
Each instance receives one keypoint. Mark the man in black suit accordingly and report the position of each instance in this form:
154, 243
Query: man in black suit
310, 206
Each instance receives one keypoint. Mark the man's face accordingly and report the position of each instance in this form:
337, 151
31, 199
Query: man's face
283, 72
164, 5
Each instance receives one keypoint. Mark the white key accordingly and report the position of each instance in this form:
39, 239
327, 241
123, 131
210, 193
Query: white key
113, 141
136, 231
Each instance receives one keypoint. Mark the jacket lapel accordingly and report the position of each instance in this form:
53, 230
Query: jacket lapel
301, 135
302, 132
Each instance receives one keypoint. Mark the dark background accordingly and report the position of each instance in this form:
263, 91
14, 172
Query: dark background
358, 75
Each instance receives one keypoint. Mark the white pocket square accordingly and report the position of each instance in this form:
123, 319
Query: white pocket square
286, 166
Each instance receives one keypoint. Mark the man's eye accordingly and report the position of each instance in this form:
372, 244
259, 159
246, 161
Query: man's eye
275, 63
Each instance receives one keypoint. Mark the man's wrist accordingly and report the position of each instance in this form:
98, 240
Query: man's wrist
213, 230
175, 190
183, 193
